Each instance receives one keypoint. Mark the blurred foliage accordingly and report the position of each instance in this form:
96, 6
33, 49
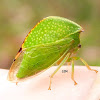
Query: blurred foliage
17, 17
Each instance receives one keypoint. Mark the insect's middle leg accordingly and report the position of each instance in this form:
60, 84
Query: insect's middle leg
72, 75
63, 61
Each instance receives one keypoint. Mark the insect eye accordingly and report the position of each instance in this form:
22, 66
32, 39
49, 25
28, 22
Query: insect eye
79, 46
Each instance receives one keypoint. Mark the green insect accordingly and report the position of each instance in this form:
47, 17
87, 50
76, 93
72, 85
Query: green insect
53, 39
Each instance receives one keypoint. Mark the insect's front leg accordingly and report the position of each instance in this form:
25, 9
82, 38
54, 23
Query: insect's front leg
71, 61
63, 61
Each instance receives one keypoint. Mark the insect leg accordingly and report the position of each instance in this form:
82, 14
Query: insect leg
59, 61
69, 61
88, 65
72, 75
63, 61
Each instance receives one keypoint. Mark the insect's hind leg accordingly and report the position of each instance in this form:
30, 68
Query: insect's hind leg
72, 75
85, 63
88, 65
63, 61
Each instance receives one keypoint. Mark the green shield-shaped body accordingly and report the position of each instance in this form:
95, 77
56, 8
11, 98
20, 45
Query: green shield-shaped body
44, 45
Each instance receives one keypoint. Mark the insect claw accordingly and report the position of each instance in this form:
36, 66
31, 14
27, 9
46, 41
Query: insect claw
75, 83
49, 88
16, 83
95, 71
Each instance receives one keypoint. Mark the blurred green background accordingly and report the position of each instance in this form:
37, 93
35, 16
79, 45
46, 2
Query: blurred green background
17, 18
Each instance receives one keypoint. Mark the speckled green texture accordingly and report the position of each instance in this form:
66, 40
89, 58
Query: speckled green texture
50, 30
46, 43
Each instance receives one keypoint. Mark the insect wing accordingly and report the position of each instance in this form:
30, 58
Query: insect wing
35, 59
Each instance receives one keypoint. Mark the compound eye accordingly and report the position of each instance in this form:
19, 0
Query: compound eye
79, 46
